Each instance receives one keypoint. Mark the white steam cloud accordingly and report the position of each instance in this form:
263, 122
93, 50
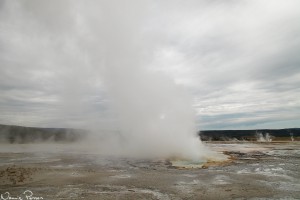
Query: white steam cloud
155, 116
101, 56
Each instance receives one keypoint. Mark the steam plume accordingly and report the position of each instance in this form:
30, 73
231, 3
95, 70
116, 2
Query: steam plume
103, 50
155, 115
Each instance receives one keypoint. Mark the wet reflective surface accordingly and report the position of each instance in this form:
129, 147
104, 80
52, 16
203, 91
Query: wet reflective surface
253, 171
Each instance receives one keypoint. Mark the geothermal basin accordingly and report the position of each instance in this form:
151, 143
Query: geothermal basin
252, 171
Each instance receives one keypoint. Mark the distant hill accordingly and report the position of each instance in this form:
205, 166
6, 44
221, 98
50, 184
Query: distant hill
21, 134
251, 135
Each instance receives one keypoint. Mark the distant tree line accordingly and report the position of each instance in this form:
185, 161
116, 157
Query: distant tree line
250, 135
20, 134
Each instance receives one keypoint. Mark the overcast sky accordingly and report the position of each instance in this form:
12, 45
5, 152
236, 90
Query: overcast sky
239, 60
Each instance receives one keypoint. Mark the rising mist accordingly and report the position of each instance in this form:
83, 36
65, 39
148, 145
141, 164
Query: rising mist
102, 62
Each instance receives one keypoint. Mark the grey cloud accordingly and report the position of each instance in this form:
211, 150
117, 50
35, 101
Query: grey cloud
238, 58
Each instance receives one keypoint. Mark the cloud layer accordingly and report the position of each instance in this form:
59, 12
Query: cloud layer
238, 59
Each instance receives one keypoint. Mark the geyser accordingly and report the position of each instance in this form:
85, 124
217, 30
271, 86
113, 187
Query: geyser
155, 116
90, 52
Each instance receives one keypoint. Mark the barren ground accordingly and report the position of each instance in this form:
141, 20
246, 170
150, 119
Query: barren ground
255, 171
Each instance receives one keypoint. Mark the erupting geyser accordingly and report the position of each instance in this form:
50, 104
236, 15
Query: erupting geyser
113, 49
155, 116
